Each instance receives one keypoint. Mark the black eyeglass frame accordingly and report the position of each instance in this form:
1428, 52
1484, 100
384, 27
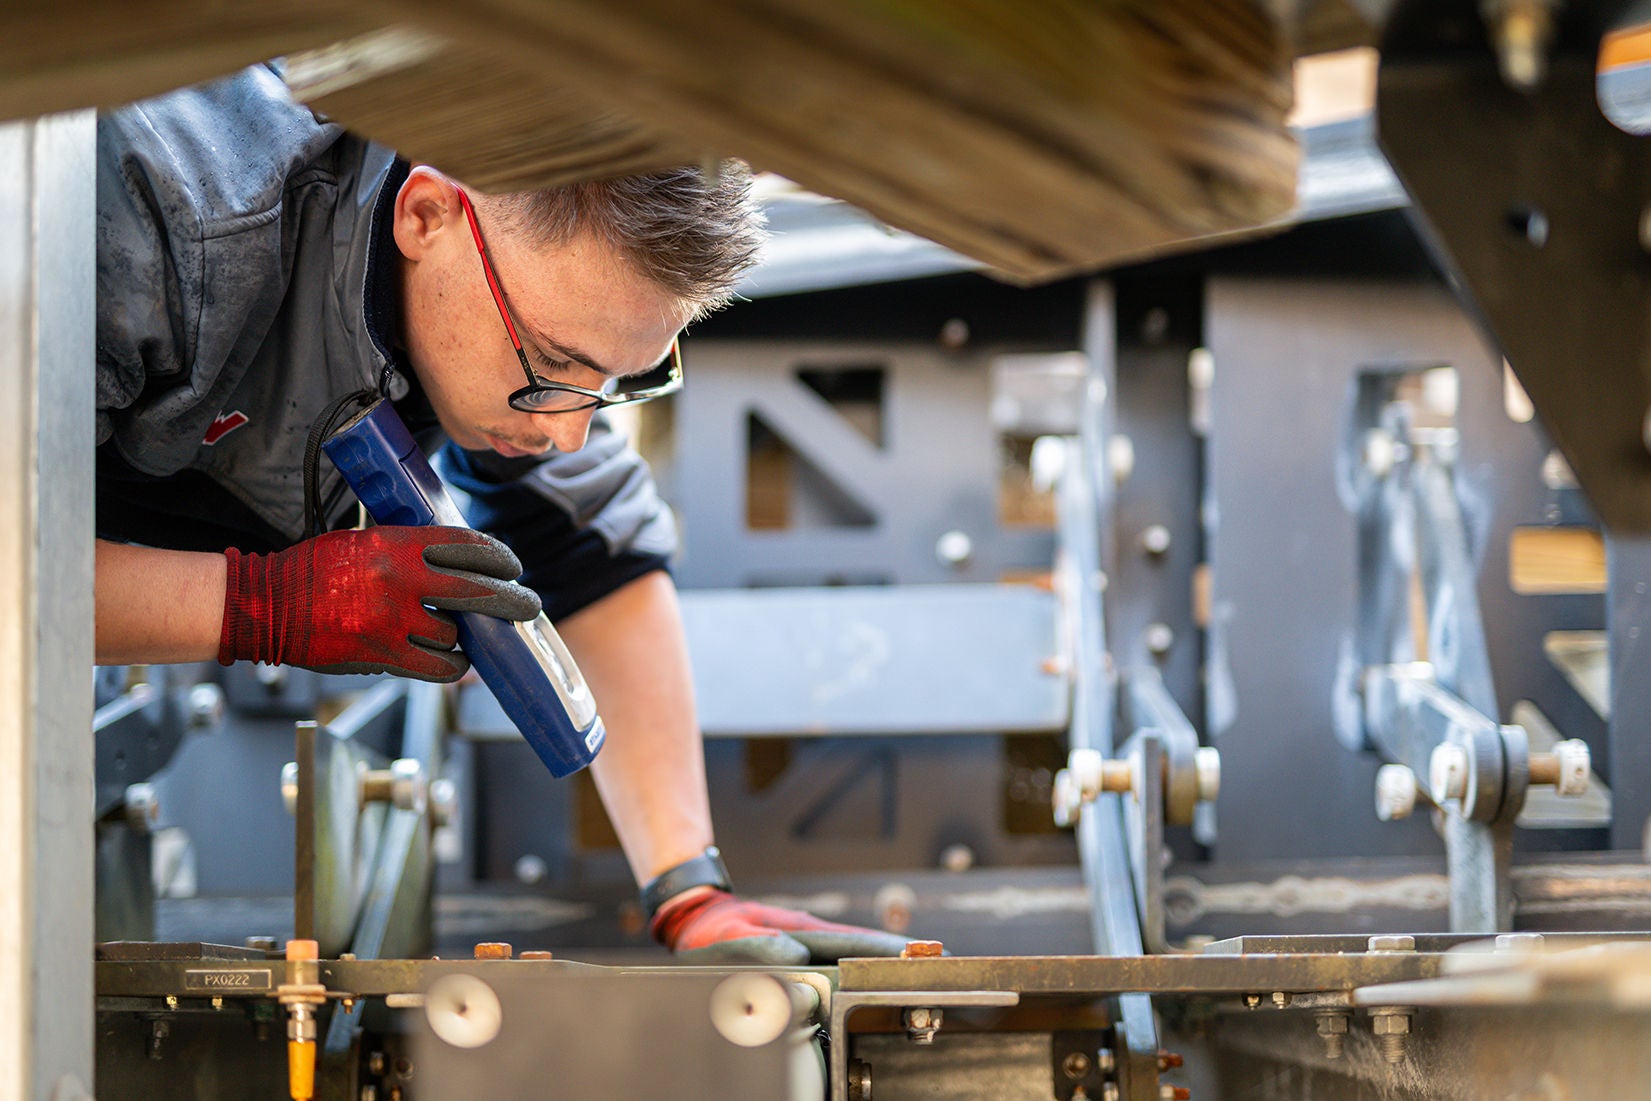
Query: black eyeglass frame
524, 400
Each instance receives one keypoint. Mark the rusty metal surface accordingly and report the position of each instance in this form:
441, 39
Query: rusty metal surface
1218, 974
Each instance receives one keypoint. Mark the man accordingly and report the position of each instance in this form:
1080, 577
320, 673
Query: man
256, 266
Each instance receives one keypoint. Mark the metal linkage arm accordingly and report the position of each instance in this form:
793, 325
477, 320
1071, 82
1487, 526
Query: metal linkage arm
1478, 772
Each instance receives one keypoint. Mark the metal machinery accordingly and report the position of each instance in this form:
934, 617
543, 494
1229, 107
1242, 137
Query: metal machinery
1356, 807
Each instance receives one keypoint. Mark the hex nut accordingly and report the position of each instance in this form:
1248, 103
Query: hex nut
1390, 1022
1391, 943
1333, 1023
1066, 800
408, 788
922, 1023
1575, 766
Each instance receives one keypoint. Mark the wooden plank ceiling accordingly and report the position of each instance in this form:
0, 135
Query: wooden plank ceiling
1042, 137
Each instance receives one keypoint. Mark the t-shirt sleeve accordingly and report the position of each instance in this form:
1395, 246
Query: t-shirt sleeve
583, 523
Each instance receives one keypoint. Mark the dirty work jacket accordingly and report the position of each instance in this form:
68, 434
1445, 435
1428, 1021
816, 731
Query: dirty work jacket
247, 278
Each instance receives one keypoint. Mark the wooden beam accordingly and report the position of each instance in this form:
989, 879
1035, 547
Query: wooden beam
1044, 137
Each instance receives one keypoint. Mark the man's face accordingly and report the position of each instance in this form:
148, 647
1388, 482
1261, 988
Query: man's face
582, 313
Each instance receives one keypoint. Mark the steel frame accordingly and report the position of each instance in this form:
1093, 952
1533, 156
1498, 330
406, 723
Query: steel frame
47, 291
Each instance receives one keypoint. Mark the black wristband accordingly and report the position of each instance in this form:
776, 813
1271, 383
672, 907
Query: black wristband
704, 870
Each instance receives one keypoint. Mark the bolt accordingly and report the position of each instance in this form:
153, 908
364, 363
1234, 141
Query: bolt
1380, 452
1531, 223
1391, 943
272, 677
1281, 1000
922, 949
1075, 1065
1333, 1026
1447, 772
1158, 637
954, 549
1519, 942
376, 1064
1167, 1060
1395, 792
1106, 1063
1155, 540
1120, 458
954, 334
444, 803
1566, 767
1391, 1026
171, 1001
922, 1023
1251, 1001
493, 950
217, 1002
894, 903
1174, 1093
205, 706
1523, 30
158, 1031
530, 869
1155, 325
1109, 1091
289, 787
143, 807
369, 1093
957, 858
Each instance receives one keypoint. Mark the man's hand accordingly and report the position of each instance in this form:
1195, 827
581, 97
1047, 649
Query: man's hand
360, 601
710, 926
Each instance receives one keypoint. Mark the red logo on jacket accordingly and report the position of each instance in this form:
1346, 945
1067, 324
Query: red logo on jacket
223, 424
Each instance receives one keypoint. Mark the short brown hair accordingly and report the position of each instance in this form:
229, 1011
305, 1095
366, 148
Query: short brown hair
693, 235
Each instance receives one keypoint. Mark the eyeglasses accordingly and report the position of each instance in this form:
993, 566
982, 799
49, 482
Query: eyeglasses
543, 396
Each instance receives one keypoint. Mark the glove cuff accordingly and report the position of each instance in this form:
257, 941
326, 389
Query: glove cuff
254, 627
704, 870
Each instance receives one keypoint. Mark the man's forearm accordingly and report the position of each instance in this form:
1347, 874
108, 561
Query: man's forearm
157, 606
651, 773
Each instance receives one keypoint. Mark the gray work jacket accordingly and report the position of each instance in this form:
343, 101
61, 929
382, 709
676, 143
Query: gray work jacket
246, 279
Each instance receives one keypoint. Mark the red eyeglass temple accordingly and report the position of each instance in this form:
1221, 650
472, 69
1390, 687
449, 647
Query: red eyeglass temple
487, 269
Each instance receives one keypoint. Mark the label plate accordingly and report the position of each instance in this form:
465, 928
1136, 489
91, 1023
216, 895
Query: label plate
225, 981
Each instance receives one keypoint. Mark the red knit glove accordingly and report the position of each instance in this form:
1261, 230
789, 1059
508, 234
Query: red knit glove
360, 601
715, 927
